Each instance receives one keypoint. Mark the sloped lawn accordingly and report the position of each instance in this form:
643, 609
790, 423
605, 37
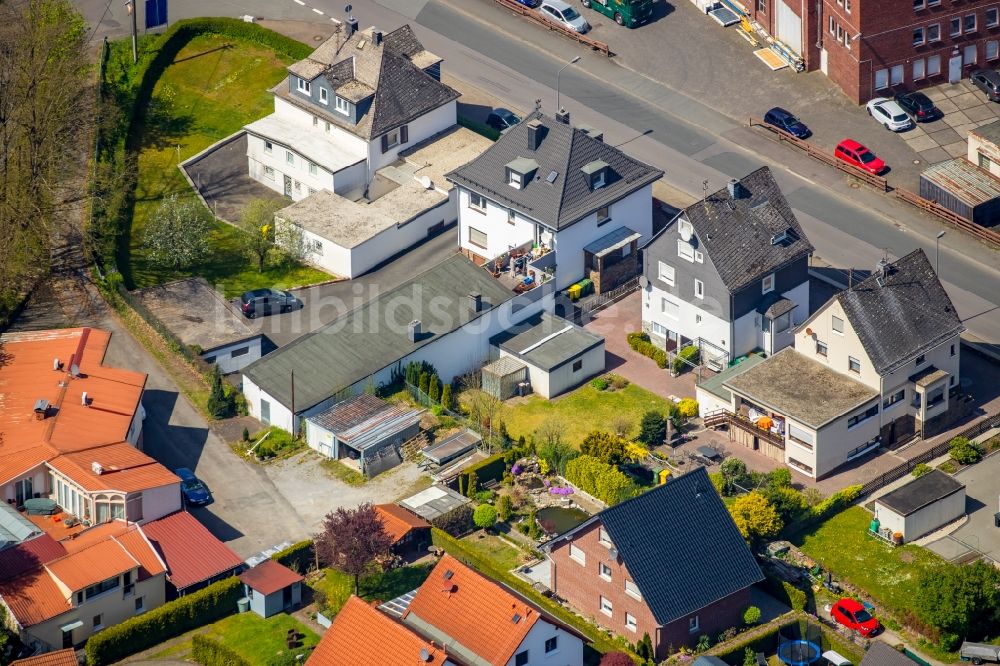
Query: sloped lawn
338, 586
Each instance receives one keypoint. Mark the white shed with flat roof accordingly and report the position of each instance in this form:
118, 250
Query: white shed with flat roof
922, 505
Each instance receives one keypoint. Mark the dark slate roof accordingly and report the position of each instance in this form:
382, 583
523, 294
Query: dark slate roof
737, 233
920, 492
564, 150
990, 132
881, 654
374, 336
908, 314
547, 342
681, 546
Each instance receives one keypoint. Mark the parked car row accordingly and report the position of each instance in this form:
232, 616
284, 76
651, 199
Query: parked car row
628, 13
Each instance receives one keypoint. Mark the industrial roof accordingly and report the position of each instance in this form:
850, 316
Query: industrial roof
65, 657
361, 635
434, 502
680, 545
715, 383
365, 420
192, 553
269, 577
392, 71
920, 492
562, 153
796, 386
196, 313
548, 342
374, 336
900, 312
398, 522
964, 180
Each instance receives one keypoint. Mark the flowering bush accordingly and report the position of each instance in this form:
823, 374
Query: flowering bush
516, 469
546, 483
561, 490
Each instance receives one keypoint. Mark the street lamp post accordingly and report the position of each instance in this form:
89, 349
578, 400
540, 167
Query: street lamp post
937, 249
132, 10
571, 62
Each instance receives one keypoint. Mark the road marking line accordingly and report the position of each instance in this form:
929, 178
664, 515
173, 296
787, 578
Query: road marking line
299, 2
318, 12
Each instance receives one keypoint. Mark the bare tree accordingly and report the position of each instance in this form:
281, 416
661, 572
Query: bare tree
352, 540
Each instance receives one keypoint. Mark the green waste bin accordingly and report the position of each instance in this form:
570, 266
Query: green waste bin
586, 286
243, 604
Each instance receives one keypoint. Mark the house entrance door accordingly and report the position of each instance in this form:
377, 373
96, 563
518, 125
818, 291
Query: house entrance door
67, 639
288, 186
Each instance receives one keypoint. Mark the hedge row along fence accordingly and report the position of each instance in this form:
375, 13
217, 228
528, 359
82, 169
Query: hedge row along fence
490, 469
171, 619
299, 556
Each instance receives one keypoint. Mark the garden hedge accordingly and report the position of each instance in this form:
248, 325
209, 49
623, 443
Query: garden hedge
299, 556
210, 652
171, 619
639, 342
490, 469
786, 593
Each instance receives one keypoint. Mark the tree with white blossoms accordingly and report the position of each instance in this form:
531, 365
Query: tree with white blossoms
177, 236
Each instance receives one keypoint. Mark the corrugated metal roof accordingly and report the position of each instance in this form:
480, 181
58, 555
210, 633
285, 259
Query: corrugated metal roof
964, 180
191, 552
457, 444
92, 565
365, 420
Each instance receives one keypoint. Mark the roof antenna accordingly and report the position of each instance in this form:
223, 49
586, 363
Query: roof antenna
538, 104
704, 190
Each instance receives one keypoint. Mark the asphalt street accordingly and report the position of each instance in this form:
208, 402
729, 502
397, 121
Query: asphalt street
691, 140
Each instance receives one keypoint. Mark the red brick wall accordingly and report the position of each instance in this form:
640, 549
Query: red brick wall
804, 9
582, 586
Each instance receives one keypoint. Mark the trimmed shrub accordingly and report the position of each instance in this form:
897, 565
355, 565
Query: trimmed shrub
599, 383
751, 616
209, 652
964, 451
456, 522
171, 619
485, 516
921, 469
299, 556
479, 128
490, 469
446, 396
635, 338
601, 480
685, 356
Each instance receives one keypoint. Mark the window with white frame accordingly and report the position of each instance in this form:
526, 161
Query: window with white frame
312, 169
919, 37
670, 309
853, 364
477, 201
392, 138
327, 126
666, 273
699, 257
840, 33
919, 4
304, 86
837, 323
956, 27
317, 247
767, 284
934, 32
699, 288
694, 624
289, 157
833, 26
477, 238
341, 105
933, 65
992, 52
970, 55
881, 79
894, 399
603, 538
847, 6
630, 622
933, 3
800, 436
863, 416
514, 179
969, 23
551, 644
606, 606
324, 96
268, 147
576, 553
821, 348
918, 69
896, 74
315, 121
685, 251
847, 39
992, 17
269, 172
604, 571
632, 590
511, 216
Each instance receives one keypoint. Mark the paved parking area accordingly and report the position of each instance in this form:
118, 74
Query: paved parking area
965, 107
978, 533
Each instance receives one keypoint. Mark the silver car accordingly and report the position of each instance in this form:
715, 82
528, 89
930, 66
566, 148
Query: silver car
562, 13
890, 114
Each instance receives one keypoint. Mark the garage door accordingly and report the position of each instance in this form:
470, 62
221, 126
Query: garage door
788, 27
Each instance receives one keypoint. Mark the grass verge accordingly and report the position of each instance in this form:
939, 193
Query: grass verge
339, 470
338, 586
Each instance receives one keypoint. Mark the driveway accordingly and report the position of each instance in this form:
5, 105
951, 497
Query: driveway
978, 533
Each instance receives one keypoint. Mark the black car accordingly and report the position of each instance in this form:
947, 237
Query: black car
784, 120
988, 81
266, 301
502, 119
918, 105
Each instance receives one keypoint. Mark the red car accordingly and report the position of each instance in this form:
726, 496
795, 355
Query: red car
855, 154
853, 615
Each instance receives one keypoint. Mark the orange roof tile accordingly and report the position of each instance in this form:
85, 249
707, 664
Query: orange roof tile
269, 577
15, 463
363, 636
124, 468
33, 597
473, 610
94, 535
91, 565
29, 555
192, 553
65, 657
138, 547
398, 521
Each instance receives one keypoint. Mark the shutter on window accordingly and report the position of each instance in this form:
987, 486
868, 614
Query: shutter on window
385, 143
404, 134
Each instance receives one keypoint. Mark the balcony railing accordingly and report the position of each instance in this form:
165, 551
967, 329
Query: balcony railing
520, 271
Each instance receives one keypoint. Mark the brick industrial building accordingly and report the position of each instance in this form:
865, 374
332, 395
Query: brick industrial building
872, 48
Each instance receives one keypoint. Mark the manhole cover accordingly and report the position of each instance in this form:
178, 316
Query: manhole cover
317, 38
916, 161
855, 185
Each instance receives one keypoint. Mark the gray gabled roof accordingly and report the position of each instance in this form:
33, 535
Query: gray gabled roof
883, 654
547, 341
565, 151
901, 314
374, 336
741, 235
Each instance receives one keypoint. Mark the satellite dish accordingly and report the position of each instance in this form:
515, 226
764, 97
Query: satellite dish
348, 9
685, 232
643, 281
426, 182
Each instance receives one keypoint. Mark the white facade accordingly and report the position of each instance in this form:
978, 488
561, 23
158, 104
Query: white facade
550, 383
506, 229
567, 649
924, 520
234, 357
662, 311
419, 129
160, 502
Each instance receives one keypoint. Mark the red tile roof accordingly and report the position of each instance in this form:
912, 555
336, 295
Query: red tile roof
91, 565
29, 555
269, 577
33, 597
124, 468
94, 535
398, 521
363, 636
473, 610
135, 543
65, 657
192, 553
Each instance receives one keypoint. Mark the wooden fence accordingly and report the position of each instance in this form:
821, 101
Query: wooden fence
533, 15
933, 207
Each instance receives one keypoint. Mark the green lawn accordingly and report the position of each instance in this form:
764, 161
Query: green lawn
214, 87
257, 640
338, 586
582, 411
493, 548
842, 545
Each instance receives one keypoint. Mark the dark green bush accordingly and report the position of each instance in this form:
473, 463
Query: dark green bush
209, 652
171, 619
298, 556
456, 522
490, 469
686, 355
786, 593
965, 451
635, 338
599, 383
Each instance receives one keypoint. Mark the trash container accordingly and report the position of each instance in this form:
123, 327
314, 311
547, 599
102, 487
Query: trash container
586, 286
243, 604
574, 292
996, 519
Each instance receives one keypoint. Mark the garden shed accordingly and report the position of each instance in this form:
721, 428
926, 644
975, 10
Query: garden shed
271, 588
503, 377
922, 505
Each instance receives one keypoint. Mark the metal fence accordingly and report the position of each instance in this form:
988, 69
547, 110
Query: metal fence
598, 303
533, 15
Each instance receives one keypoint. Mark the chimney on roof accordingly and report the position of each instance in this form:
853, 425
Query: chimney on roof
413, 331
562, 116
352, 26
535, 132
376, 37
56, 364
475, 302
84, 399
96, 468
735, 189
41, 408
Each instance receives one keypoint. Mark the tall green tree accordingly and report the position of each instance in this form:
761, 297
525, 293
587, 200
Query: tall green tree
177, 235
652, 428
961, 602
604, 446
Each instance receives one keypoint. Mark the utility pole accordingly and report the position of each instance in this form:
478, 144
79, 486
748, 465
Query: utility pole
133, 10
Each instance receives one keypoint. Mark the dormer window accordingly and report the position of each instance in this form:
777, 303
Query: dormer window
520, 171
324, 96
514, 179
596, 173
342, 105
304, 86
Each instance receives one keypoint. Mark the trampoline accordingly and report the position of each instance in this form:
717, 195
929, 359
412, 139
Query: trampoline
798, 652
